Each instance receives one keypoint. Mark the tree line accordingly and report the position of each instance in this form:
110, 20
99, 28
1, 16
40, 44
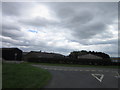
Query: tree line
72, 58
75, 54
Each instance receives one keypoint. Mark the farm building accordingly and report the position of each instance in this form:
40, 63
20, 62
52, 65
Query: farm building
90, 59
11, 54
89, 56
41, 56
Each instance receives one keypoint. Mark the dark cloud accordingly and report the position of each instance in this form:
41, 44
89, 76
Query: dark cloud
11, 8
82, 17
37, 22
88, 31
12, 33
113, 41
10, 26
15, 8
85, 20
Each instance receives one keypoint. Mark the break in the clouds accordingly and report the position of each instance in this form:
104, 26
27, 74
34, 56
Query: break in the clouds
61, 27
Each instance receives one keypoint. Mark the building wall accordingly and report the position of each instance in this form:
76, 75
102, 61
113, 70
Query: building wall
89, 56
9, 54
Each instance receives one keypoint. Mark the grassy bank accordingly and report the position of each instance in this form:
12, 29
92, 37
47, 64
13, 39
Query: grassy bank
23, 76
75, 65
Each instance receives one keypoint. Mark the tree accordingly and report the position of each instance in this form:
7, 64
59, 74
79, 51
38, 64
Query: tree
75, 54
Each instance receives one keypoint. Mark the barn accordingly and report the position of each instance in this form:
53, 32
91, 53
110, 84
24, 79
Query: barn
38, 56
89, 56
90, 59
11, 54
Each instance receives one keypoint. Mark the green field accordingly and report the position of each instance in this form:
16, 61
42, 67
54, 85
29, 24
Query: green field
75, 65
0, 74
23, 76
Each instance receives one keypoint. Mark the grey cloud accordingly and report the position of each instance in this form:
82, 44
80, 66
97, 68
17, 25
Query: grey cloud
113, 41
12, 33
15, 8
11, 8
23, 42
82, 17
10, 26
70, 9
78, 17
15, 43
78, 20
88, 31
65, 12
112, 50
87, 42
37, 22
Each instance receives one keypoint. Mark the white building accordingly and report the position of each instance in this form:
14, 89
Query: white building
89, 56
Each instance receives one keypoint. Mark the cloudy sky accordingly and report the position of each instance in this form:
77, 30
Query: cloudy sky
61, 27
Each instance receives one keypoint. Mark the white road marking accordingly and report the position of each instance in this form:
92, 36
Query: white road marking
59, 69
93, 70
70, 69
118, 75
96, 76
51, 68
76, 70
54, 69
45, 68
64, 69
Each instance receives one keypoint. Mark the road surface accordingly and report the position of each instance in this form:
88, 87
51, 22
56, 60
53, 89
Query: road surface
81, 77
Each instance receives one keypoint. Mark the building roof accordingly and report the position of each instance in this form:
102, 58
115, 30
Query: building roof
9, 49
89, 56
25, 53
43, 54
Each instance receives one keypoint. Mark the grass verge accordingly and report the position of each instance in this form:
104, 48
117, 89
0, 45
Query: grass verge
75, 65
23, 76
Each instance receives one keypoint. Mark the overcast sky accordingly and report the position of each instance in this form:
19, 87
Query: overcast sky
61, 27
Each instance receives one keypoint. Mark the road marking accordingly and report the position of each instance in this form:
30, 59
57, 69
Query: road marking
54, 68
118, 75
70, 69
45, 68
93, 70
113, 71
97, 76
51, 68
64, 69
59, 69
100, 70
76, 70
107, 71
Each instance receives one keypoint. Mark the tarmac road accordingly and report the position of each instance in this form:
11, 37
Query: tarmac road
81, 77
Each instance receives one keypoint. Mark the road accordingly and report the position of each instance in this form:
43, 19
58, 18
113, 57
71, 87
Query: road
81, 77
